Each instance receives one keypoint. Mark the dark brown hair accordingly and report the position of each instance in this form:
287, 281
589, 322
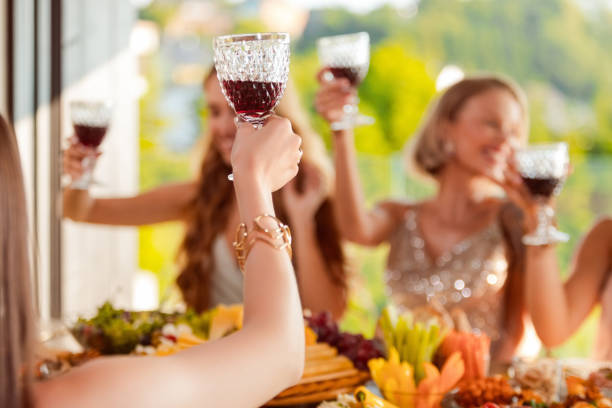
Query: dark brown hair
15, 301
208, 212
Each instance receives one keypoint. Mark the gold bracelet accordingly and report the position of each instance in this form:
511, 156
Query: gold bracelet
278, 238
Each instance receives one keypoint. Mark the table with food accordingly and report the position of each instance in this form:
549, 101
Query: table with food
412, 362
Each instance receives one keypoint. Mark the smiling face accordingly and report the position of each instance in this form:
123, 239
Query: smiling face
485, 132
221, 118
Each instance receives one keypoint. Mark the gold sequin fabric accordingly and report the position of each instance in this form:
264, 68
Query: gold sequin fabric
470, 276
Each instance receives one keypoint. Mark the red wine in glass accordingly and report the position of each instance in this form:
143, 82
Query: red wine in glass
353, 74
252, 100
252, 70
542, 187
346, 56
89, 135
90, 120
543, 168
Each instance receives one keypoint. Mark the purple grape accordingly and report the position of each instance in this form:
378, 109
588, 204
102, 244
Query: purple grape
354, 346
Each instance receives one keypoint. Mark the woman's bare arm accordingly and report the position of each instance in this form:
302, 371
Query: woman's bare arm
245, 369
558, 309
161, 204
165, 203
355, 221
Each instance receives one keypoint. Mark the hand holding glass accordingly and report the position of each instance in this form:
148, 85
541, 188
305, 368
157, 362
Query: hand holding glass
346, 56
543, 169
253, 70
90, 120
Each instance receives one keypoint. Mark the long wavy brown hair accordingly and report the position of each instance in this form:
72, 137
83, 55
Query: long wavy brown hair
15, 301
208, 212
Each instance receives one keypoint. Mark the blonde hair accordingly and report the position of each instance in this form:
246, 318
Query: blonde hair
429, 150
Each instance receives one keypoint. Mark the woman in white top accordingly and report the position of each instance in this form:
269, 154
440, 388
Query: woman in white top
245, 369
209, 275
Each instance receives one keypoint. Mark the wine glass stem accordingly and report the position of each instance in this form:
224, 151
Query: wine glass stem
545, 215
84, 182
351, 109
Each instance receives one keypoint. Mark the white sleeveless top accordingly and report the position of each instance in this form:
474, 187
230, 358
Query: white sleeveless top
226, 280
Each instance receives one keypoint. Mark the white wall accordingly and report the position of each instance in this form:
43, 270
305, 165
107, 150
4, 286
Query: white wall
100, 262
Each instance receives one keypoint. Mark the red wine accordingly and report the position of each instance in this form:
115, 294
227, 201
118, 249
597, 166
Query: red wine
90, 136
544, 187
253, 99
353, 74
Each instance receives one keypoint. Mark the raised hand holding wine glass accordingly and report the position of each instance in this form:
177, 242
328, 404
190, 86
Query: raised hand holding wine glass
346, 56
543, 168
253, 70
90, 120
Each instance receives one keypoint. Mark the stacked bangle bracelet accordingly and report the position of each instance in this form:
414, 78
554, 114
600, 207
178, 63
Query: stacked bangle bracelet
278, 237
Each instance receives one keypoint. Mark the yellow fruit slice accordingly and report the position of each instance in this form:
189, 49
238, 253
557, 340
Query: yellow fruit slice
225, 320
369, 400
311, 336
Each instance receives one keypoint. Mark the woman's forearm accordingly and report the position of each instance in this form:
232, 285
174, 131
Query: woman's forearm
77, 204
352, 215
317, 289
545, 298
272, 302
558, 309
165, 203
245, 369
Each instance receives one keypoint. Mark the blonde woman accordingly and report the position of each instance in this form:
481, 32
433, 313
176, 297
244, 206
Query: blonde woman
208, 273
460, 250
245, 369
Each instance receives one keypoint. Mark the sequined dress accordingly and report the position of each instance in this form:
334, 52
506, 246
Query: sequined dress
471, 276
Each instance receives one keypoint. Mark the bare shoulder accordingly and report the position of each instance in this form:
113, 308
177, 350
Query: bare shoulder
395, 209
604, 224
602, 230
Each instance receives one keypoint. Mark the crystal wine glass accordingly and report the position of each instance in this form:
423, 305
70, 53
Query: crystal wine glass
90, 120
543, 168
346, 56
253, 70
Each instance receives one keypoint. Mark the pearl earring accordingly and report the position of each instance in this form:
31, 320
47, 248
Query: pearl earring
449, 148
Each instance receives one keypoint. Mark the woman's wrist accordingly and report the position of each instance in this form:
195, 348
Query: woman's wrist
343, 140
303, 225
538, 250
341, 135
253, 196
